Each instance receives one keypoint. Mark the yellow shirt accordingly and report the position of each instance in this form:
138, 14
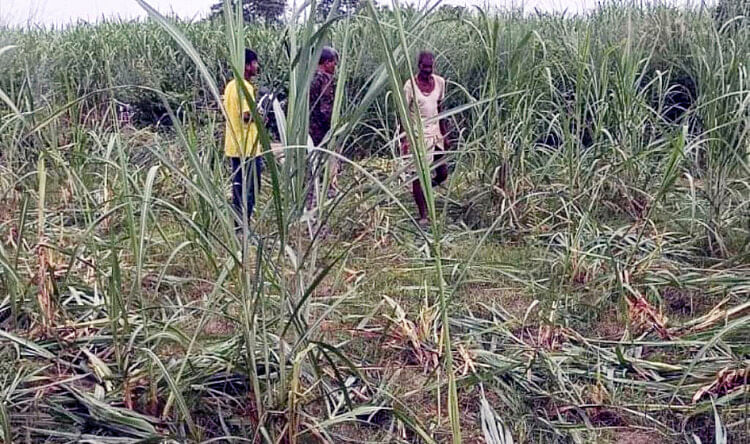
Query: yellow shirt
238, 133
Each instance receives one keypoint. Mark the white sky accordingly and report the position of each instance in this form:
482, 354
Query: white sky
47, 12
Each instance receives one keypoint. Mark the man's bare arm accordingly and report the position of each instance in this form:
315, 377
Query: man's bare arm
405, 139
444, 127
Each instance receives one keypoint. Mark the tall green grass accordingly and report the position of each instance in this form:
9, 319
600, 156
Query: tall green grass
130, 309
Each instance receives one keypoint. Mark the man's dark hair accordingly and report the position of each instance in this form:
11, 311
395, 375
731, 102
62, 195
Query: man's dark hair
250, 56
423, 54
328, 54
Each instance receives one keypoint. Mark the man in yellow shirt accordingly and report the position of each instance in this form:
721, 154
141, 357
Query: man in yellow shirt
241, 139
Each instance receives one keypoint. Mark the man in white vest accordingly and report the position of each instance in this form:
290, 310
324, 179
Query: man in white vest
424, 94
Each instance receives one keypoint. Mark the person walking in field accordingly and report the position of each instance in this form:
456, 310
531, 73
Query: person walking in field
322, 96
424, 95
241, 144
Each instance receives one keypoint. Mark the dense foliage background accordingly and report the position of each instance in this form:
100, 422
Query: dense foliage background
586, 277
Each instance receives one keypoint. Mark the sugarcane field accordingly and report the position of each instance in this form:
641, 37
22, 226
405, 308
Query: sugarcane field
361, 221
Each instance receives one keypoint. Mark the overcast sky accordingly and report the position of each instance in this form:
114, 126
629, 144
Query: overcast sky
47, 12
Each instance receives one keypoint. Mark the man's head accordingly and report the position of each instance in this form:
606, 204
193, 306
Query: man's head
329, 58
425, 63
252, 67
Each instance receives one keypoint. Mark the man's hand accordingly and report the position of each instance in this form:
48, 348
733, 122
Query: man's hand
404, 146
246, 117
447, 144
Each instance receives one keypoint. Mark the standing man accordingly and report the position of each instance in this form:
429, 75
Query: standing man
424, 95
241, 140
322, 96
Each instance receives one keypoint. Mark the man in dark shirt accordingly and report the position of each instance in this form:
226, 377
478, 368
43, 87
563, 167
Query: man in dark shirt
322, 96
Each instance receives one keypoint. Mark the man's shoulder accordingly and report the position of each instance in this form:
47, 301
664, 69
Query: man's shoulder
322, 83
410, 82
317, 79
249, 85
322, 78
233, 84
440, 82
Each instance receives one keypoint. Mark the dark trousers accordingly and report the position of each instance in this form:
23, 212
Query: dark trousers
441, 173
251, 177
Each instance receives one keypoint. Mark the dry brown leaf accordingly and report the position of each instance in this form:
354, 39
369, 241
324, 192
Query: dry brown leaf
726, 381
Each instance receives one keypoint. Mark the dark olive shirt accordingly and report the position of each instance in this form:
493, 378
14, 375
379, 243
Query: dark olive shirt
322, 94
